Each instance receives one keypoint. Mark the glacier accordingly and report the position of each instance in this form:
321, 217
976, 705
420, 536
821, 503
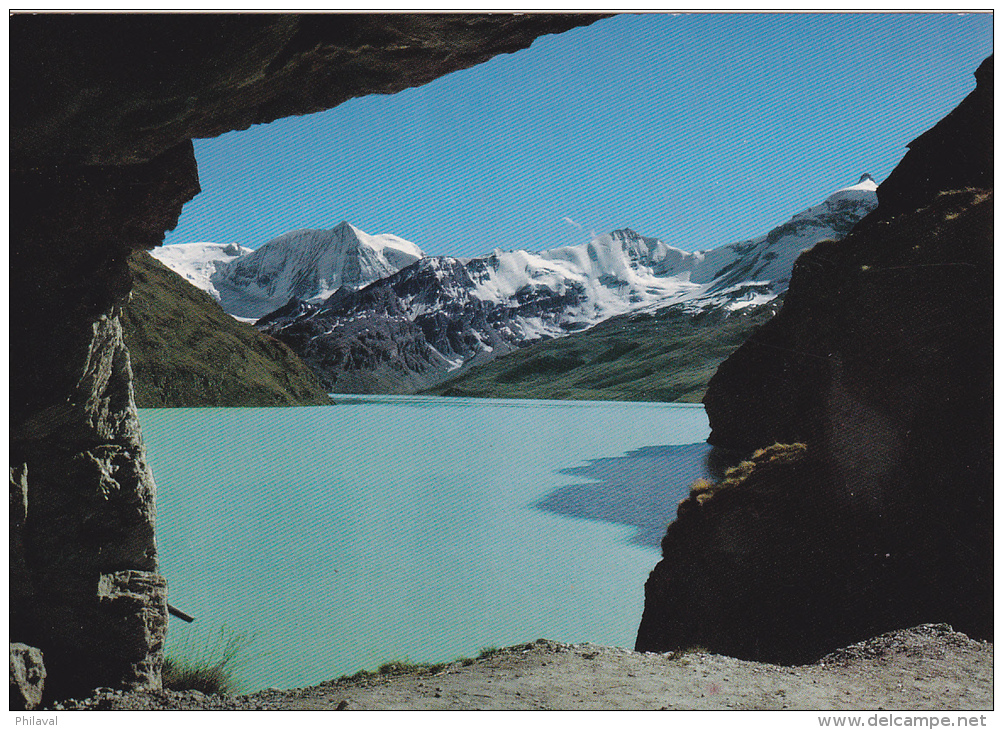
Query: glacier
197, 262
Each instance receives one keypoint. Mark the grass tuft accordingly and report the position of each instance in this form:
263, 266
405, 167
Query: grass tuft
208, 668
488, 651
687, 651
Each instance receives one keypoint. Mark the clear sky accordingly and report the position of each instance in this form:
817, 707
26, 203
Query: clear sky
699, 129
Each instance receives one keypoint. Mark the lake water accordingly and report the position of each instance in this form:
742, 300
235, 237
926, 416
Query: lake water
408, 527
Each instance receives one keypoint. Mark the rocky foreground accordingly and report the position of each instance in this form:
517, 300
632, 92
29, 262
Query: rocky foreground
929, 667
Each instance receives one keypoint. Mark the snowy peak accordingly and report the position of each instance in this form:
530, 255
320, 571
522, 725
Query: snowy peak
862, 195
197, 262
441, 313
767, 261
611, 274
628, 236
391, 251
309, 265
866, 184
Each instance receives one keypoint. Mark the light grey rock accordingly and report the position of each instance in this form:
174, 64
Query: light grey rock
27, 677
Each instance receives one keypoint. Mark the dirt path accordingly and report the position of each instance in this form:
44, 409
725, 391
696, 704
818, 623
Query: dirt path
925, 668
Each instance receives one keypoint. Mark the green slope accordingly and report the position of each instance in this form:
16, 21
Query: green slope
665, 356
187, 352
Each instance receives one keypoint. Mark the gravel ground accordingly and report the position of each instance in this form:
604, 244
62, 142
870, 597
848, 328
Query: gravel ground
928, 667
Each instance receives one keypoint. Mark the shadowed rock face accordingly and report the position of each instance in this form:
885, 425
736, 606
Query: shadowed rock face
769, 391
88, 494
104, 108
880, 362
113, 89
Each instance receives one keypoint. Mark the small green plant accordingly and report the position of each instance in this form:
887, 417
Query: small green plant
209, 667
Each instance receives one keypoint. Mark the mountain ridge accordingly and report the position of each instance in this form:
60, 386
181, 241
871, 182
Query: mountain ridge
307, 264
441, 316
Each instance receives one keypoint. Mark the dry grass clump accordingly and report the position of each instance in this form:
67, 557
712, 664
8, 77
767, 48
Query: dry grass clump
771, 456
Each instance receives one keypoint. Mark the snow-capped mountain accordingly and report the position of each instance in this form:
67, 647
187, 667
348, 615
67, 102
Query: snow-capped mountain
308, 265
197, 262
410, 329
753, 272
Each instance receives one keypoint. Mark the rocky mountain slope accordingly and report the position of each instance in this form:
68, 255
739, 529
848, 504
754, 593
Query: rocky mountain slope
442, 316
667, 355
187, 352
877, 375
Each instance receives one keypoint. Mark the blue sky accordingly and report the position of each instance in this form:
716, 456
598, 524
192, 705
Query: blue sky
699, 129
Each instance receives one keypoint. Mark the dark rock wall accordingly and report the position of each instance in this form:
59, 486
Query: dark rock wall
75, 437
955, 154
113, 89
880, 362
768, 392
103, 111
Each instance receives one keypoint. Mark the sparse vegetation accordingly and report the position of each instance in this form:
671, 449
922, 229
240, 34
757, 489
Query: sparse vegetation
405, 666
398, 668
689, 651
208, 667
703, 490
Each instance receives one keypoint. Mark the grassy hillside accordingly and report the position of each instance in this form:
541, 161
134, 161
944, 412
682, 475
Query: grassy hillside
665, 356
187, 352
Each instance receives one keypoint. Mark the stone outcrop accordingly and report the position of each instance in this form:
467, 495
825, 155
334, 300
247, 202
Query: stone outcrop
103, 111
27, 677
769, 390
75, 436
880, 362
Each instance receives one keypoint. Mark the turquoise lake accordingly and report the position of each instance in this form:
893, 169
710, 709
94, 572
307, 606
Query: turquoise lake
408, 527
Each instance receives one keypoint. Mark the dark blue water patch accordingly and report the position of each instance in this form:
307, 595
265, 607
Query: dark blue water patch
641, 489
